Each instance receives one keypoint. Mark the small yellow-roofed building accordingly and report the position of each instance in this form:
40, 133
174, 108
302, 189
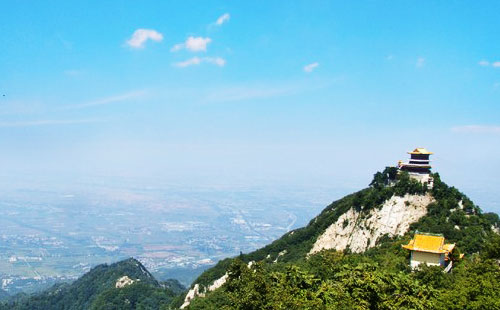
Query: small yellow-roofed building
429, 249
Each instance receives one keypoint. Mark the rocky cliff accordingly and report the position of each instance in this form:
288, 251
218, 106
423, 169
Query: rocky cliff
359, 231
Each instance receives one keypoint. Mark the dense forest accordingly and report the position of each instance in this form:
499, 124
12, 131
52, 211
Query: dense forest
377, 279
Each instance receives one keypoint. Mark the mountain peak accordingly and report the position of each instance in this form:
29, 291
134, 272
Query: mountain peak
394, 205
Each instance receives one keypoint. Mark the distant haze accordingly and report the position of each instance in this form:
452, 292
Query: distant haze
302, 93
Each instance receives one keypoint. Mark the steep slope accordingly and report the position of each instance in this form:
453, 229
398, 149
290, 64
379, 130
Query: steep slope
103, 285
359, 231
391, 207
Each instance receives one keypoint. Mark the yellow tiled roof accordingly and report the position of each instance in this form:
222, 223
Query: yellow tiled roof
421, 150
448, 247
428, 243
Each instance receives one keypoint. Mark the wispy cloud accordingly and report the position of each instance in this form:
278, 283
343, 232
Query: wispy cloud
222, 19
261, 91
486, 63
481, 129
310, 67
189, 62
420, 62
35, 123
108, 100
197, 60
193, 44
219, 61
140, 36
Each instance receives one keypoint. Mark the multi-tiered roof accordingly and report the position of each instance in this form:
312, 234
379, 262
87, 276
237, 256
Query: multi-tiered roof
419, 162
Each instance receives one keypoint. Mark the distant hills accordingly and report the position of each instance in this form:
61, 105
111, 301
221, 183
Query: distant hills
98, 289
348, 257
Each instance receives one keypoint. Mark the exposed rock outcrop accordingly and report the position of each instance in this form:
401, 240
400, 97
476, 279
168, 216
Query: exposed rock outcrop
359, 231
195, 291
218, 283
192, 293
123, 281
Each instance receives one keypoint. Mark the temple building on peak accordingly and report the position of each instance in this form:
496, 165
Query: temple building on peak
418, 166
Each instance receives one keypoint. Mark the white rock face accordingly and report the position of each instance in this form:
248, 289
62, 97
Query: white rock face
495, 229
279, 254
195, 291
361, 231
218, 283
123, 281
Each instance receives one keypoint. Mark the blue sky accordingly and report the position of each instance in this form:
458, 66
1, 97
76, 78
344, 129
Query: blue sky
256, 92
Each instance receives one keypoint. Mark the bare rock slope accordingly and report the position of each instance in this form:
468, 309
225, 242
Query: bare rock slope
359, 231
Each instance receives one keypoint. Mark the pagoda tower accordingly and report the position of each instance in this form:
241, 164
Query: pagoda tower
418, 166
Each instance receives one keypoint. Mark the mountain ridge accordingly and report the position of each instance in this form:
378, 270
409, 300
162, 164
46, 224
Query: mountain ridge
447, 211
99, 288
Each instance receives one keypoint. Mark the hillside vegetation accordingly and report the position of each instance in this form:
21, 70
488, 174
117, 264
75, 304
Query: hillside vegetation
452, 208
379, 279
96, 290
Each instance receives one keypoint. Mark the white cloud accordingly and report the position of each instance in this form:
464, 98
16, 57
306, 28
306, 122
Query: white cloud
221, 62
140, 37
477, 129
193, 44
484, 63
177, 47
47, 122
107, 100
189, 62
222, 19
310, 67
420, 62
197, 60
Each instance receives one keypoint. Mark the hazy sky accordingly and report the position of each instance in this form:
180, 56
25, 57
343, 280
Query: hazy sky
257, 92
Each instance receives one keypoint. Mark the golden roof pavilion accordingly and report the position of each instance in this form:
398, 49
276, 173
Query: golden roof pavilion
429, 249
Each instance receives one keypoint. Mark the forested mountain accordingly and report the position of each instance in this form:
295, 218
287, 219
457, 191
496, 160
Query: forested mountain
298, 271
123, 285
348, 257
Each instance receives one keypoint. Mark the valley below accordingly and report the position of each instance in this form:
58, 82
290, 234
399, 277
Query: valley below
50, 236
